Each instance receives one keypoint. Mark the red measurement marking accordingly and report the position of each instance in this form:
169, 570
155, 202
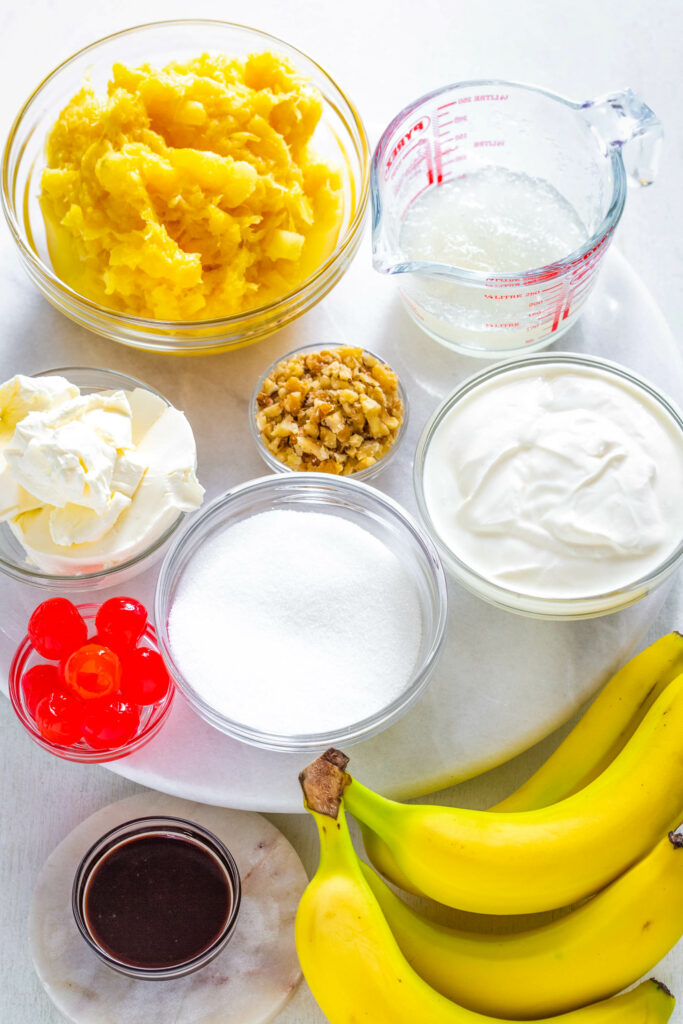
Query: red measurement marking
557, 314
403, 170
438, 164
419, 126
541, 276
518, 282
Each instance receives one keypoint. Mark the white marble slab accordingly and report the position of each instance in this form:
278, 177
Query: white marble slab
503, 681
249, 982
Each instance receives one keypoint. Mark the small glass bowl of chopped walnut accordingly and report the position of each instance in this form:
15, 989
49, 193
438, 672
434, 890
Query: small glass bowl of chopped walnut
339, 410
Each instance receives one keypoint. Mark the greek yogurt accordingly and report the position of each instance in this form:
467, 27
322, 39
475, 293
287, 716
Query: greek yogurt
557, 479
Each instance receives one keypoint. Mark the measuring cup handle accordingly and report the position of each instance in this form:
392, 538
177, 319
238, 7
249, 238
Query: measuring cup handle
628, 124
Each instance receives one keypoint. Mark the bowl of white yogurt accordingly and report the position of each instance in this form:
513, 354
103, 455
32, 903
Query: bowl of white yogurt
552, 486
296, 612
97, 472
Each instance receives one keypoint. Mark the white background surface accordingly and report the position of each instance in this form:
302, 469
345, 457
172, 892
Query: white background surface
384, 54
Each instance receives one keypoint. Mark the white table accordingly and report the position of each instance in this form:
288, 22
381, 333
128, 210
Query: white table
384, 54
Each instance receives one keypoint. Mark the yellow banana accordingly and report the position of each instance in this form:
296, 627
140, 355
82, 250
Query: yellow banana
499, 862
596, 950
381, 857
592, 744
358, 974
604, 729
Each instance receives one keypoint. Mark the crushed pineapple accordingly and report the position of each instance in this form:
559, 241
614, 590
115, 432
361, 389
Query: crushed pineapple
191, 191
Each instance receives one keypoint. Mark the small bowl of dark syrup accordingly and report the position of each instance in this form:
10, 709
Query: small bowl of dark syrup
157, 898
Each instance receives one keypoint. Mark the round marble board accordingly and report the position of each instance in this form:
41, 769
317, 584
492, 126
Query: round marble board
503, 681
249, 981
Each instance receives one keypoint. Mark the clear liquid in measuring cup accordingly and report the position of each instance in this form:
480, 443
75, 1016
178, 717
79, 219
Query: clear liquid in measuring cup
492, 220
496, 221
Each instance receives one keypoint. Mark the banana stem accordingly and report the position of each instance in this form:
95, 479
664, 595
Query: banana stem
368, 806
676, 838
336, 849
323, 782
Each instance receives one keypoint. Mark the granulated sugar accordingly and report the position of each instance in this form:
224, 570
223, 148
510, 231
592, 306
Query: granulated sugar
296, 622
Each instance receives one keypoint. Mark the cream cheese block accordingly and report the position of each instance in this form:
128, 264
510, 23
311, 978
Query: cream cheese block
91, 481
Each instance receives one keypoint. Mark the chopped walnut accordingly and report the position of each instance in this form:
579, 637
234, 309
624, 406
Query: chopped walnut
334, 411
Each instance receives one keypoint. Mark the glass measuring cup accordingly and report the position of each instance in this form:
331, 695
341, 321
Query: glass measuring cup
587, 152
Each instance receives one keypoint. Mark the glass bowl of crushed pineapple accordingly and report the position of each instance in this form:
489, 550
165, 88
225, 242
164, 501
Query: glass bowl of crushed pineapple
186, 186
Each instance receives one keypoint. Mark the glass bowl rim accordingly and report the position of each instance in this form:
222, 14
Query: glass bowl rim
481, 277
382, 506
363, 474
129, 830
90, 755
235, 320
505, 597
35, 576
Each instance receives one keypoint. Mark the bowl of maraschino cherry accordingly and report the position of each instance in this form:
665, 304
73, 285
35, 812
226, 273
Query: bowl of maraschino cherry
88, 682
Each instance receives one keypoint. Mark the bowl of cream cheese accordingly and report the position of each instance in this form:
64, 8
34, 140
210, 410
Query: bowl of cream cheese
97, 472
552, 485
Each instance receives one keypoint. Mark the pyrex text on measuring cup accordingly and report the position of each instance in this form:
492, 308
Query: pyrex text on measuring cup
496, 202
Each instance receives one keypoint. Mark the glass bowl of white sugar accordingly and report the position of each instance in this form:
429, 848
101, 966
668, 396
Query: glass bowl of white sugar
300, 612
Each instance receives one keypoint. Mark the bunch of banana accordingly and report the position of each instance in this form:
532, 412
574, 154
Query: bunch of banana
601, 802
357, 972
590, 953
520, 862
589, 748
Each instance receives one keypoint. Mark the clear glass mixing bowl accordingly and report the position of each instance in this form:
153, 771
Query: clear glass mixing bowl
331, 495
339, 138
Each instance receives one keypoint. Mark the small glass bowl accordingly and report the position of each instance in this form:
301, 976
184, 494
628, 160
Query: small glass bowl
539, 607
13, 558
331, 495
176, 828
279, 467
340, 139
152, 716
